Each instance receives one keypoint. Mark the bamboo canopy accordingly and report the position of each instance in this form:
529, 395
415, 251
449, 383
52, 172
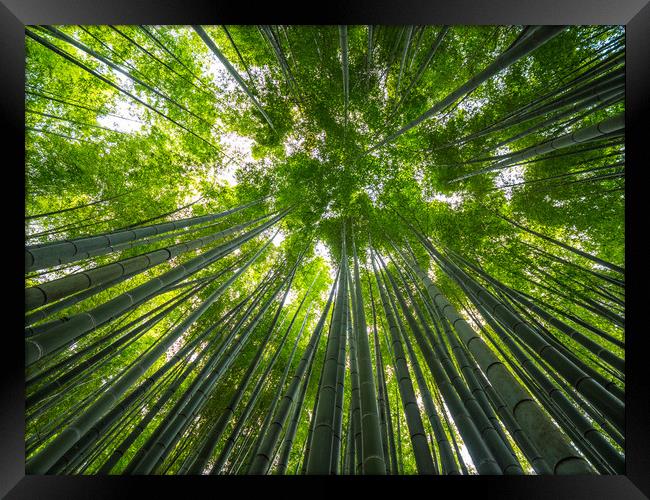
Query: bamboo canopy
357, 250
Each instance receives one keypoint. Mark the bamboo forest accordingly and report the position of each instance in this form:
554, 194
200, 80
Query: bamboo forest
324, 250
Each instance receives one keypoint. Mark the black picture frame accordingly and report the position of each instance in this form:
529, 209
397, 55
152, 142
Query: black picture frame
634, 14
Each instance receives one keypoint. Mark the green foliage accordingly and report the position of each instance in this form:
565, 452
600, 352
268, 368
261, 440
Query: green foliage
175, 136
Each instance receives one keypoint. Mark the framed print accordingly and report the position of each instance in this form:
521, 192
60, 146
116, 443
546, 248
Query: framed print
381, 247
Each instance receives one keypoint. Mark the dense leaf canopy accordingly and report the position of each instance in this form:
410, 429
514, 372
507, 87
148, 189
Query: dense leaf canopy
473, 165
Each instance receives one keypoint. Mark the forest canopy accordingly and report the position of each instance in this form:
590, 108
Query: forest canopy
325, 249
